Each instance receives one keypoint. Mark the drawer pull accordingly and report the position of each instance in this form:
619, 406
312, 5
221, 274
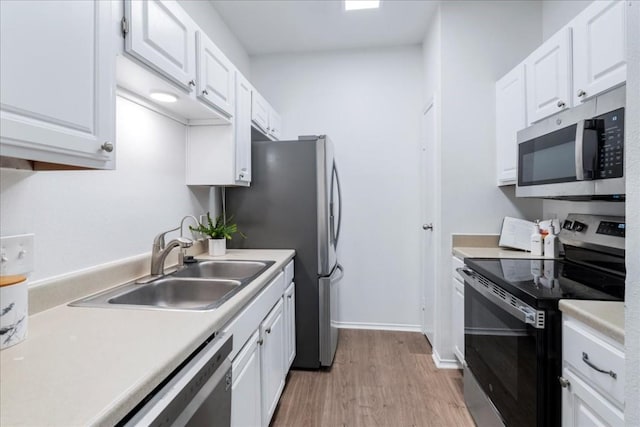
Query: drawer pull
585, 359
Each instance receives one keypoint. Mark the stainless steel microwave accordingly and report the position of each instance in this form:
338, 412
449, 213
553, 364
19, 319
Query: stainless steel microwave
576, 154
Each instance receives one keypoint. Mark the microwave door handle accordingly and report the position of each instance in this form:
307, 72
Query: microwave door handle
580, 150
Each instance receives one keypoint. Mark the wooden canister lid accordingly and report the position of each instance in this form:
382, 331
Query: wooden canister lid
12, 280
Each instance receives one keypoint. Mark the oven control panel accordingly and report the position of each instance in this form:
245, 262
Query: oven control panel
596, 231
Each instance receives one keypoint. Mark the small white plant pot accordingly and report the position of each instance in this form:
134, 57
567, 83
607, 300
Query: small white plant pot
217, 247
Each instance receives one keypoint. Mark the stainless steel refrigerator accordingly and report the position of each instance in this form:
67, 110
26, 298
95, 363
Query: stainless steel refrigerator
294, 202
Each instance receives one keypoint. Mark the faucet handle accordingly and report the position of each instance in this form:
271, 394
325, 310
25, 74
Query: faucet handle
159, 239
184, 242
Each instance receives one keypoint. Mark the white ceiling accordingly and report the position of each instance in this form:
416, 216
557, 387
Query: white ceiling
280, 26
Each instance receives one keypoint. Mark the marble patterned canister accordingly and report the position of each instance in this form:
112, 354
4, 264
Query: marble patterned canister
14, 308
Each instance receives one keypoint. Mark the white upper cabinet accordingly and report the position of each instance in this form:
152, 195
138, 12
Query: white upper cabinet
162, 35
243, 129
511, 116
275, 124
599, 45
215, 77
57, 85
548, 71
259, 111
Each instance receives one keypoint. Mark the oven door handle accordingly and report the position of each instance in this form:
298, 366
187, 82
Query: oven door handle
504, 300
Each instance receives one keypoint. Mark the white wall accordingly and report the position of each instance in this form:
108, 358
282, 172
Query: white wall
368, 102
208, 18
556, 14
431, 56
632, 173
480, 42
86, 218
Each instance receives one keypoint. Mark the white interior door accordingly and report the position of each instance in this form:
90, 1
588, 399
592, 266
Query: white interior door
428, 179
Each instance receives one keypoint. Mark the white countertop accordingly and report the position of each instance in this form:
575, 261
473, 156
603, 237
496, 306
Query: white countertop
491, 252
91, 366
606, 317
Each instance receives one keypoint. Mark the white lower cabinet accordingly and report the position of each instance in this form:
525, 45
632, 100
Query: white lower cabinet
457, 309
290, 323
260, 357
593, 377
246, 402
272, 361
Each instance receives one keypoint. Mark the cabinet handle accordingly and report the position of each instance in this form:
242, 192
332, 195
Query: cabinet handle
561, 104
241, 175
289, 296
107, 146
268, 330
260, 341
192, 83
204, 92
585, 359
564, 383
581, 93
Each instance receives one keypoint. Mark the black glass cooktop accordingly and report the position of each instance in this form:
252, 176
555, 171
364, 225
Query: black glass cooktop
546, 281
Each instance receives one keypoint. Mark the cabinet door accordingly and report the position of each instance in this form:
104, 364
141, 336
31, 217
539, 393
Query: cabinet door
511, 116
163, 36
272, 361
275, 124
458, 319
215, 76
259, 111
582, 406
290, 325
242, 123
548, 75
57, 82
599, 49
246, 402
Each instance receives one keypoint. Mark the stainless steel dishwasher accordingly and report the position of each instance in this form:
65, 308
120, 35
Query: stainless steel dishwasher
199, 394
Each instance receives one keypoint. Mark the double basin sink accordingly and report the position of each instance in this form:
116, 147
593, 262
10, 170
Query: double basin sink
203, 285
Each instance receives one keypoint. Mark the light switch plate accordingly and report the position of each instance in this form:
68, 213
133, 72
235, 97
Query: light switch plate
17, 254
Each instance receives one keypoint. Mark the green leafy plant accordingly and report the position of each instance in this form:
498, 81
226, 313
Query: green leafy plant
221, 229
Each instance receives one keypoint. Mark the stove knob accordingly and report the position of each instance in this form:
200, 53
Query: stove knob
579, 226
567, 225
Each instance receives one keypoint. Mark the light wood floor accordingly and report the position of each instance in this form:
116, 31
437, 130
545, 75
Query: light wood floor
378, 378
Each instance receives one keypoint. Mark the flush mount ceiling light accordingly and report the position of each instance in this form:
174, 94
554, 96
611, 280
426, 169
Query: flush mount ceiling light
361, 4
163, 96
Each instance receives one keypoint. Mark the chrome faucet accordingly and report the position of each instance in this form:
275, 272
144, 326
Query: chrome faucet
160, 251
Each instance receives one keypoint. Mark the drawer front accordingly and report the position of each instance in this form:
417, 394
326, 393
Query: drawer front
249, 319
578, 342
457, 263
288, 273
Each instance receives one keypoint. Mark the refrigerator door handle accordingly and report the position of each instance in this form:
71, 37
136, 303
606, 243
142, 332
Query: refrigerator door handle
337, 231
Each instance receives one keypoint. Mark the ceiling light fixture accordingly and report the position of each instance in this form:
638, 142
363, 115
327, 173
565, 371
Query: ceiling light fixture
163, 96
361, 4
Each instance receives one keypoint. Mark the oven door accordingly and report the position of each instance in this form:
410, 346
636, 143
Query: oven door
501, 353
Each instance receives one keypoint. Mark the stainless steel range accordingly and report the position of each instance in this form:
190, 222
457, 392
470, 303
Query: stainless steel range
513, 340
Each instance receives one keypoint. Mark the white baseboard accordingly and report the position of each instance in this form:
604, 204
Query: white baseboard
379, 326
445, 363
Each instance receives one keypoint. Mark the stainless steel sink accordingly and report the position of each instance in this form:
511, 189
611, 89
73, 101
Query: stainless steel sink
204, 285
224, 269
173, 292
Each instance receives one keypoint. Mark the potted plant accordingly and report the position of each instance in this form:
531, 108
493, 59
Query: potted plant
218, 233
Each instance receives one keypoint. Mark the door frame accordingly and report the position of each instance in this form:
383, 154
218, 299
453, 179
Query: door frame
429, 195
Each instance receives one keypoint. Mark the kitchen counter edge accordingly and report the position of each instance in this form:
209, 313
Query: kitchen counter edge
606, 317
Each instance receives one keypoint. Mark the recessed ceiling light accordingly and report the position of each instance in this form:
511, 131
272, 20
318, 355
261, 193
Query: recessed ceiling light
361, 4
163, 96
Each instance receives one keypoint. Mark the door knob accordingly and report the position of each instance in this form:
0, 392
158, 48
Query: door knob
107, 146
427, 227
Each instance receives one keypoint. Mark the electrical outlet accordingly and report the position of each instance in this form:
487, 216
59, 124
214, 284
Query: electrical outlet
16, 254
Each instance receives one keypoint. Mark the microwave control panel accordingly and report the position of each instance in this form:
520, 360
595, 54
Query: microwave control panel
610, 156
